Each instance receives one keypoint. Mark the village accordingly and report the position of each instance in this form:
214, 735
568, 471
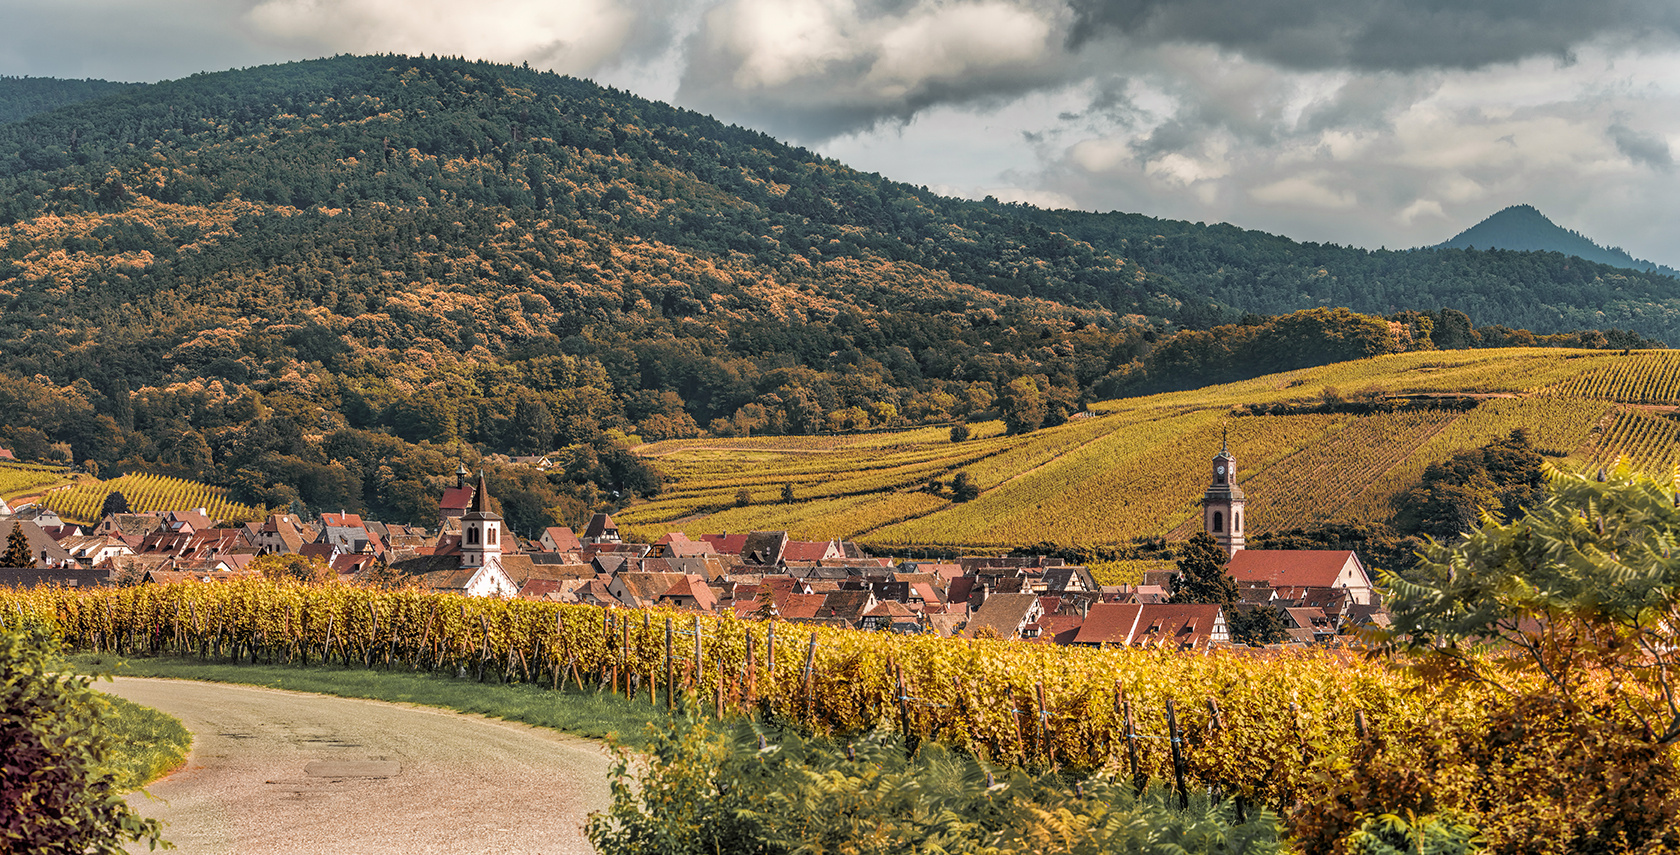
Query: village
1319, 596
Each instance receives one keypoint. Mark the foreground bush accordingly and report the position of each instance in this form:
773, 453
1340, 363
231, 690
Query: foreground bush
741, 787
53, 741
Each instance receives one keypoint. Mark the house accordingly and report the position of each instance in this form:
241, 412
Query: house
62, 577
538, 462
45, 552
475, 567
601, 529
677, 545
282, 534
456, 501
1308, 625
1303, 568
1004, 616
892, 617
642, 590
689, 592
1183, 626
91, 550
559, 539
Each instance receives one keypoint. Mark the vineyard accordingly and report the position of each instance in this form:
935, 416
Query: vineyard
1275, 728
1138, 468
81, 503
1015, 703
22, 479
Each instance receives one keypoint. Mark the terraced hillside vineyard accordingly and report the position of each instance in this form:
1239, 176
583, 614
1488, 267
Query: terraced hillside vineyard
1320, 445
82, 502
22, 479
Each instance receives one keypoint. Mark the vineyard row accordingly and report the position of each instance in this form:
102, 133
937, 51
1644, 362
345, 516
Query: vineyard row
1245, 719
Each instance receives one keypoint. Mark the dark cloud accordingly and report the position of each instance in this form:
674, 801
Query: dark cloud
1647, 149
1395, 35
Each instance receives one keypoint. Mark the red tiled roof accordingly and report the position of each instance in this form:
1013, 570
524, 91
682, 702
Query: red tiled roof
344, 520
564, 538
1309, 568
456, 499
805, 550
799, 606
726, 544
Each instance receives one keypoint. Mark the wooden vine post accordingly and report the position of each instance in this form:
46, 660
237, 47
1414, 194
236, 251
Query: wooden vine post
1138, 778
810, 677
1177, 756
670, 671
749, 699
699, 662
1044, 725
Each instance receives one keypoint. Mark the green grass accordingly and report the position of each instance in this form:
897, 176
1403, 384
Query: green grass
586, 713
146, 744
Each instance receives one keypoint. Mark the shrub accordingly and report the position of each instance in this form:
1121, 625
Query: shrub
750, 788
53, 799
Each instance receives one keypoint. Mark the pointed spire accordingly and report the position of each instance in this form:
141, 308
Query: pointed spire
1225, 440
481, 495
461, 475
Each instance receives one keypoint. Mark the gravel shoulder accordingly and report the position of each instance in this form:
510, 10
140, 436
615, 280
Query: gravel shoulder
273, 771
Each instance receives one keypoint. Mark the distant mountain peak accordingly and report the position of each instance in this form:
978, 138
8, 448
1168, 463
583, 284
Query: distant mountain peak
1524, 229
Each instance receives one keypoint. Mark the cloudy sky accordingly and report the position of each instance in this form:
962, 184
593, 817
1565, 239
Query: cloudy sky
1369, 122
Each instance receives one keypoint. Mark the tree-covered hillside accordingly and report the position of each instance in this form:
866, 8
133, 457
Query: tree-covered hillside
324, 282
22, 97
1524, 228
1259, 272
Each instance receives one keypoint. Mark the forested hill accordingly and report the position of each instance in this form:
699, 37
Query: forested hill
22, 97
325, 281
1524, 228
1270, 274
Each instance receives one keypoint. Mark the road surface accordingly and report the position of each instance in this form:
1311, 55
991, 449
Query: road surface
287, 772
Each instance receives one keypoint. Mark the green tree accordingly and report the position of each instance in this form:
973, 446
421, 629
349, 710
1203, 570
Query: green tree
959, 433
1584, 585
18, 553
115, 503
1257, 625
787, 493
54, 798
962, 489
1201, 574
743, 498
1023, 405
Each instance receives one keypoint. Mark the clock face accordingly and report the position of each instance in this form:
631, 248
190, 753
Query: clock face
1220, 469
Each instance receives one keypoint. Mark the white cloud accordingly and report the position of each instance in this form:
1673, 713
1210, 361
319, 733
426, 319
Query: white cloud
1309, 191
570, 36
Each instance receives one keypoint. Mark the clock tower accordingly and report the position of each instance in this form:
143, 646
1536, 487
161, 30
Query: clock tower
1222, 504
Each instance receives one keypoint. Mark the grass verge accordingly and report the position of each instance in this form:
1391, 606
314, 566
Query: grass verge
587, 713
146, 744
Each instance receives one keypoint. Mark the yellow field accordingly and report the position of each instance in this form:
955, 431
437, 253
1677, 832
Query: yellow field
81, 503
1138, 466
23, 479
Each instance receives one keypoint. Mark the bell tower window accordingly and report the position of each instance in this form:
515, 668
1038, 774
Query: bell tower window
472, 534
490, 537
1218, 521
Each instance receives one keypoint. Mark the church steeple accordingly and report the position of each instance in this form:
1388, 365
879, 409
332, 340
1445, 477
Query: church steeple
1222, 504
481, 529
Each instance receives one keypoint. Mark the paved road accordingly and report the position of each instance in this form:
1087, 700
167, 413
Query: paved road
287, 772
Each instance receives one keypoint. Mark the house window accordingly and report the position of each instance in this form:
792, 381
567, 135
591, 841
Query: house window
1218, 521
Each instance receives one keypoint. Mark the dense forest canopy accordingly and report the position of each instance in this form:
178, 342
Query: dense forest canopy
324, 282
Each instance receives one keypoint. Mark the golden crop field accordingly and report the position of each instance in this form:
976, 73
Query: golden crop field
82, 502
1137, 467
23, 479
